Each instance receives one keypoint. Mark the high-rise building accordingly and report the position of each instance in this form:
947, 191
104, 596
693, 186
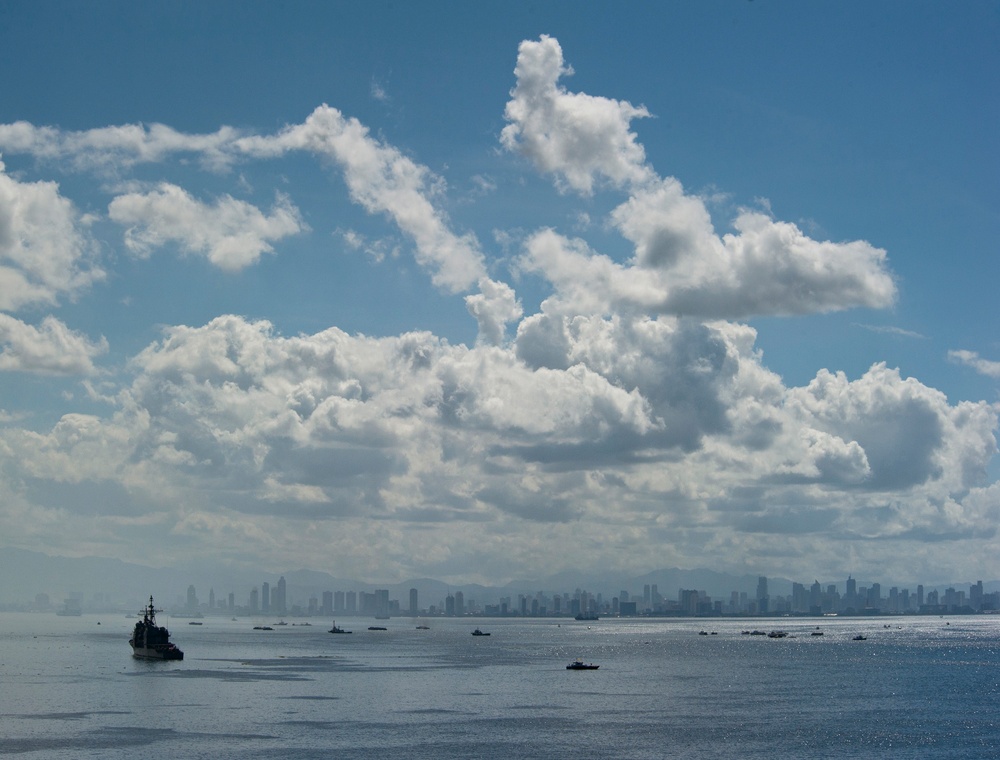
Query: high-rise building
413, 602
459, 603
815, 598
254, 601
265, 597
976, 596
327, 608
800, 600
762, 597
382, 602
211, 598
689, 601
875, 596
278, 605
192, 600
851, 595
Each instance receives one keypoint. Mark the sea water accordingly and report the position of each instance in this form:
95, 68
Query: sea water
916, 687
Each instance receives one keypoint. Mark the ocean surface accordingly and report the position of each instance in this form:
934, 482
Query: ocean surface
917, 687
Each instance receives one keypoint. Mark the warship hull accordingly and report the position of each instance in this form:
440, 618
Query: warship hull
153, 653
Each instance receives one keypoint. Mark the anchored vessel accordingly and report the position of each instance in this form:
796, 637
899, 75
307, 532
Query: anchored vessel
151, 641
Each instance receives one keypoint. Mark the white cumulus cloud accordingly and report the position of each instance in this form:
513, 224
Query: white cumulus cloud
51, 348
232, 234
681, 264
45, 252
577, 137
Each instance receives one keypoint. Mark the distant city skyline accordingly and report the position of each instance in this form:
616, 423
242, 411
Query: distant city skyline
818, 599
847, 597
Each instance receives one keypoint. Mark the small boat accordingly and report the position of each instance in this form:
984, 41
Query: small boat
377, 628
816, 633
281, 622
587, 616
579, 664
423, 627
194, 622
263, 628
777, 634
859, 637
478, 632
335, 629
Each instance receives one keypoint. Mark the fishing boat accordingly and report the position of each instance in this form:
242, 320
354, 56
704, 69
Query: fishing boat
335, 629
579, 664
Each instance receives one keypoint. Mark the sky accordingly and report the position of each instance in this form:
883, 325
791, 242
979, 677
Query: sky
484, 291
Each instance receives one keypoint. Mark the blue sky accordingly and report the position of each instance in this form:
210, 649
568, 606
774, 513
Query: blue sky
478, 291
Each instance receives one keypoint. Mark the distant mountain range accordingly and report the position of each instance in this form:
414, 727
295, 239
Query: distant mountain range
27, 573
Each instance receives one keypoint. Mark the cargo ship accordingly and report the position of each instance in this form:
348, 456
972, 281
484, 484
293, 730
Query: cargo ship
150, 641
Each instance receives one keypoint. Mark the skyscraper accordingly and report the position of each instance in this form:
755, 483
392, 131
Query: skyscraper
382, 603
762, 598
851, 595
279, 597
413, 601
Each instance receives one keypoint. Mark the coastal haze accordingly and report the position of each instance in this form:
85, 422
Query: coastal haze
517, 300
39, 583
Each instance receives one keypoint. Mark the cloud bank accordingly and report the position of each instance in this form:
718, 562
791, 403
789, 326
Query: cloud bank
630, 419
